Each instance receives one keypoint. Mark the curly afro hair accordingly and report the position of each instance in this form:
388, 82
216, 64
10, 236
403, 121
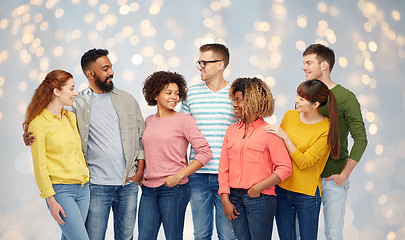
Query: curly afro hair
257, 97
157, 81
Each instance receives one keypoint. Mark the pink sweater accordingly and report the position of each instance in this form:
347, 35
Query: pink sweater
165, 141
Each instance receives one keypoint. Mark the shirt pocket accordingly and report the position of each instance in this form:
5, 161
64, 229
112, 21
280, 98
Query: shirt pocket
254, 153
230, 148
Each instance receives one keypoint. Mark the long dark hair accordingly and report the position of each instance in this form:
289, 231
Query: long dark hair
316, 91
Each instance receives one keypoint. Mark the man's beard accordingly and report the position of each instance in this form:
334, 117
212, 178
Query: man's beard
103, 85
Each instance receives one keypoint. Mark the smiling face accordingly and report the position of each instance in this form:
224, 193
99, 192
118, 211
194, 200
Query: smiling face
67, 94
303, 105
312, 68
168, 98
238, 104
211, 69
102, 73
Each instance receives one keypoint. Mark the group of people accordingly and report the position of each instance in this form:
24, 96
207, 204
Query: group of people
91, 151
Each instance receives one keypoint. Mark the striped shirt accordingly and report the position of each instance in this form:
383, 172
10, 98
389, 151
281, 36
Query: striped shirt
213, 113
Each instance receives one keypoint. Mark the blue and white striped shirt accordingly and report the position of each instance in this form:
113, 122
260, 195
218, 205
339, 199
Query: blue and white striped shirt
213, 113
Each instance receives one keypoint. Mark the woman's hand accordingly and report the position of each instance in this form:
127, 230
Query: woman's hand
56, 209
254, 192
229, 209
172, 180
277, 130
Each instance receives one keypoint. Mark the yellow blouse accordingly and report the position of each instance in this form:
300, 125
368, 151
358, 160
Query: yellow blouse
310, 157
56, 153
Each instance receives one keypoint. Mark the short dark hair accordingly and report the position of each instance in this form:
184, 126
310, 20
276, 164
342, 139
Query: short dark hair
323, 53
220, 50
157, 81
91, 56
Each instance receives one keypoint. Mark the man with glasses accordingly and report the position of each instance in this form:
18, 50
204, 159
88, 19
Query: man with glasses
208, 102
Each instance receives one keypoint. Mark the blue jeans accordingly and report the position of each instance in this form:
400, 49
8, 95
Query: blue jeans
204, 198
292, 206
334, 206
165, 205
255, 221
74, 200
123, 201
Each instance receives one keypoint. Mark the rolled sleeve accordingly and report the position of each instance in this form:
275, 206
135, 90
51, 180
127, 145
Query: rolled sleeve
280, 158
223, 170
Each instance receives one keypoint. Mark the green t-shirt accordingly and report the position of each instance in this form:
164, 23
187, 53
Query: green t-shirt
350, 120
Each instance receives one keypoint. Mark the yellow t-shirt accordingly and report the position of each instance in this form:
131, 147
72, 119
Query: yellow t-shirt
57, 153
310, 157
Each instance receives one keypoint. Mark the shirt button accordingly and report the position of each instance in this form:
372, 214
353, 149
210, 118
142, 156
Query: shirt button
87, 126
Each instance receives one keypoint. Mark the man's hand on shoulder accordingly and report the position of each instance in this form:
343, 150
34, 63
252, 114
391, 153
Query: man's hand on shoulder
28, 137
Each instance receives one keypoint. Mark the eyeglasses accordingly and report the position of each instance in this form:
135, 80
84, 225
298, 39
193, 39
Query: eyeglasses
202, 64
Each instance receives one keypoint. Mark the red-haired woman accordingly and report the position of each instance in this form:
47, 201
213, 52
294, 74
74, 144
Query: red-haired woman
309, 138
60, 169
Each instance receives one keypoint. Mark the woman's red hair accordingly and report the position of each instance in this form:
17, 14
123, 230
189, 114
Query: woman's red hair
44, 93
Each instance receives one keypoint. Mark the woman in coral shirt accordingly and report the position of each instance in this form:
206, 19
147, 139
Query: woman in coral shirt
252, 162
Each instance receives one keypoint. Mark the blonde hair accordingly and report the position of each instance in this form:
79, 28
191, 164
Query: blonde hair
257, 97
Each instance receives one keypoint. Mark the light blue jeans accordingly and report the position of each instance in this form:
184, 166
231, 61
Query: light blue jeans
204, 198
74, 200
123, 201
334, 206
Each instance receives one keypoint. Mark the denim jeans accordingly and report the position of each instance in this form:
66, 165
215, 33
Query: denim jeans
74, 200
204, 198
123, 201
292, 206
334, 206
165, 205
255, 221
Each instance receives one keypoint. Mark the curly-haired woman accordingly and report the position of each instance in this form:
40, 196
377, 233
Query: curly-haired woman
165, 190
252, 162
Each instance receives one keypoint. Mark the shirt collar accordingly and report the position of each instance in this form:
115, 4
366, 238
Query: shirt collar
50, 116
254, 124
88, 91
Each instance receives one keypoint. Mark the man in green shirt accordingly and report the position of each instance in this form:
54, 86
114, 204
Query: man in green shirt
318, 63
